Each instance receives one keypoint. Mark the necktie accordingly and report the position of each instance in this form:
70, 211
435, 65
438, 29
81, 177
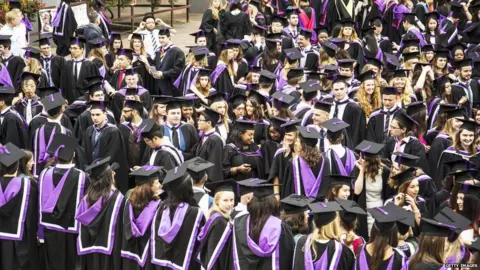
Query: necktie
154, 42
335, 112
386, 124
47, 69
29, 111
75, 72
322, 142
121, 75
175, 138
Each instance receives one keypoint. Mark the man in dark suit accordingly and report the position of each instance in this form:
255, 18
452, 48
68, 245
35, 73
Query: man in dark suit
169, 62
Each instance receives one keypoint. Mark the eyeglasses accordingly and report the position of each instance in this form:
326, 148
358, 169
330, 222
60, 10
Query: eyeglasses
392, 127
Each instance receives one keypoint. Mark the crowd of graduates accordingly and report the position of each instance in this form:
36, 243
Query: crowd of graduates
292, 134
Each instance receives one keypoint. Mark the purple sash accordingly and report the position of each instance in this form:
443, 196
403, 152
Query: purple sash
5, 77
203, 232
350, 162
220, 245
50, 193
58, 14
43, 156
324, 261
303, 174
169, 228
453, 258
363, 264
139, 225
432, 103
216, 73
10, 192
140, 91
443, 136
85, 215
269, 238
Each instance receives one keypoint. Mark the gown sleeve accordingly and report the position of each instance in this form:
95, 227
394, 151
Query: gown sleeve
206, 21
436, 150
229, 152
287, 247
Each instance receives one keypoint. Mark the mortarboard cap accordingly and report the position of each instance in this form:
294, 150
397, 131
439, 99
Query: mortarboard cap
97, 42
307, 33
176, 175
462, 176
147, 173
27, 74
134, 104
149, 129
311, 87
469, 125
400, 73
432, 227
389, 90
53, 101
257, 69
295, 73
138, 36
321, 29
348, 23
282, 100
46, 91
442, 53
428, 48
99, 165
293, 54
469, 189
296, 203
5, 40
405, 176
340, 42
77, 41
115, 36
385, 217
291, 126
455, 113
200, 52
44, 39
204, 72
7, 92
415, 107
211, 114
126, 52
62, 147
330, 48
338, 179
224, 185
308, 135
392, 60
369, 148
459, 164
405, 120
161, 99
98, 104
374, 62
10, 153
367, 75
462, 63
406, 159
244, 125
335, 128
327, 210
277, 122
323, 106
346, 63
237, 99
450, 217
410, 56
267, 77
263, 191
163, 31
350, 210
31, 52
197, 168
247, 186
215, 96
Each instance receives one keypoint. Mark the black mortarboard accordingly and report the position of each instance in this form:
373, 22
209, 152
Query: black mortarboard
335, 128
321, 29
348, 23
176, 175
259, 97
455, 113
267, 77
147, 173
406, 219
94, 84
62, 147
469, 189
199, 33
385, 217
293, 54
296, 203
415, 107
215, 96
164, 31
406, 159
149, 129
200, 52
278, 18
346, 63
34, 76
31, 52
10, 153
134, 104
338, 179
400, 73
161, 99
292, 11
237, 99
428, 48
462, 176
405, 176
469, 125
5, 40
197, 167
367, 75
459, 164
99, 165
77, 41
313, 75
138, 36
307, 33
115, 36
44, 39
224, 185
97, 42
369, 148
410, 56
389, 90
127, 52
350, 210
432, 227
340, 42
309, 135
295, 73
330, 48
291, 126
404, 119
450, 217
204, 72
442, 53
257, 69
7, 92
457, 45
311, 87
277, 122
327, 210
263, 191
338, 78
474, 246
282, 100
462, 63
211, 114
98, 104
173, 104
46, 91
244, 125
322, 105
247, 186
53, 101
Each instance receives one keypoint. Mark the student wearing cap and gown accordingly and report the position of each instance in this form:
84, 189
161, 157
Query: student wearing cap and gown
469, 88
261, 240
402, 140
242, 158
99, 213
295, 213
197, 168
18, 211
342, 159
216, 236
51, 63
13, 127
33, 53
29, 106
307, 173
221, 78
378, 126
42, 136
61, 188
321, 249
258, 101
370, 190
210, 146
141, 206
309, 91
103, 139
140, 63
235, 24
97, 44
14, 64
124, 63
177, 224
72, 81
188, 77
270, 146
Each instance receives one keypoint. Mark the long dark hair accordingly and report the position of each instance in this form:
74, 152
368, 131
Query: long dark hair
142, 195
270, 58
177, 193
99, 187
380, 240
258, 110
22, 166
260, 210
420, 117
431, 249
296, 221
372, 166
235, 138
427, 31
471, 210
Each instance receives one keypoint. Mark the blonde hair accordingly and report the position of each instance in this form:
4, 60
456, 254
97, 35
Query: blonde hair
331, 231
253, 13
407, 91
142, 48
215, 12
408, 64
224, 117
224, 58
215, 207
12, 15
449, 128
364, 101
34, 66
352, 37
326, 60
452, 249
95, 52
287, 66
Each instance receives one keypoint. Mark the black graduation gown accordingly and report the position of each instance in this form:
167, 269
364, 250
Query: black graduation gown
279, 164
186, 79
344, 255
451, 154
15, 66
234, 157
439, 198
119, 98
376, 126
355, 117
361, 199
388, 29
13, 129
60, 228
427, 266
171, 64
21, 107
413, 147
268, 149
363, 258
223, 83
100, 234
211, 149
458, 91
56, 66
65, 29
439, 144
41, 119
70, 90
109, 144
176, 248
235, 26
294, 180
187, 138
134, 147
216, 243
147, 81
261, 131
345, 165
207, 25
18, 244
84, 120
355, 50
114, 80
243, 256
165, 156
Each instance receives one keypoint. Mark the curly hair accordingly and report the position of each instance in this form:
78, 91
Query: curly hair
407, 90
311, 154
373, 166
258, 110
296, 222
142, 195
367, 103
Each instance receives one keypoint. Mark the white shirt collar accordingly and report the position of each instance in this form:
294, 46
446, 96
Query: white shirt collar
65, 166
6, 109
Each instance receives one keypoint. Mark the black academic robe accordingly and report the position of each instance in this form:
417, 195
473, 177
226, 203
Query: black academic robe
261, 131
235, 26
281, 253
55, 66
65, 29
337, 11
279, 164
187, 138
21, 107
268, 149
451, 154
207, 25
355, 50
114, 80
18, 244
376, 125
460, 90
84, 120
305, 180
100, 234
41, 119
176, 249
355, 117
118, 101
440, 197
110, 143
427, 266
242, 71
13, 128
338, 255
166, 156
413, 147
15, 66
222, 81
71, 89
60, 229
210, 148
363, 258
216, 243
390, 30
186, 79
171, 64
147, 81
234, 157
344, 165
439, 144
135, 146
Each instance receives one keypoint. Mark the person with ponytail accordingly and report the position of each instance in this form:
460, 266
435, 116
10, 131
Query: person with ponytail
261, 240
18, 212
139, 210
222, 78
380, 252
177, 224
100, 235
349, 224
321, 248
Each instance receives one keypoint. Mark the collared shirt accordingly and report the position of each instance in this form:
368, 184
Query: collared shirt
341, 104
